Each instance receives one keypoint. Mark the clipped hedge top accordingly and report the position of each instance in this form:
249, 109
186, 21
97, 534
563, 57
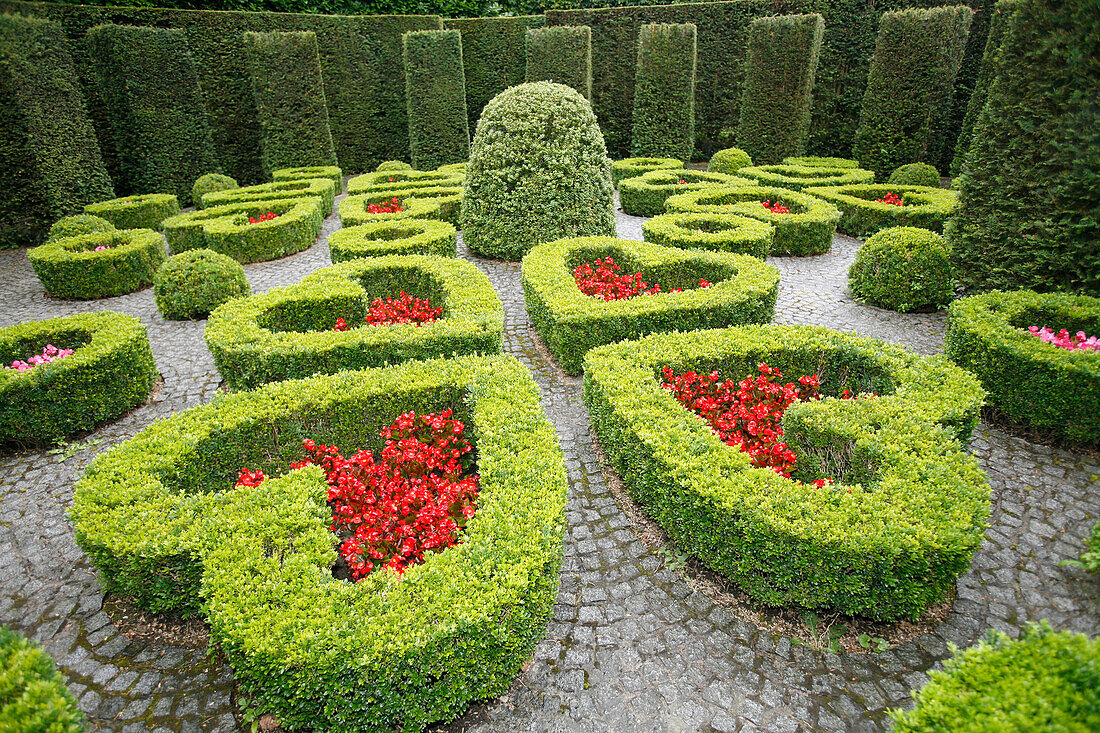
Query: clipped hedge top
399, 236
134, 202
746, 200
322, 188
353, 209
813, 161
711, 231
798, 177
233, 218
864, 195
34, 697
81, 248
671, 177
72, 226
371, 182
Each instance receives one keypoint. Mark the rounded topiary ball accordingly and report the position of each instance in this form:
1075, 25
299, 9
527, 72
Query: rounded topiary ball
729, 160
916, 174
209, 183
74, 226
393, 165
903, 269
195, 282
538, 171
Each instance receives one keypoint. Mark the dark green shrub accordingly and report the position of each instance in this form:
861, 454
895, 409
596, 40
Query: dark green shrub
393, 165
664, 92
814, 161
110, 371
538, 171
917, 55
330, 172
1029, 204
799, 178
645, 195
193, 283
570, 323
729, 160
353, 209
913, 174
70, 267
321, 188
226, 229
889, 549
138, 211
561, 54
209, 183
722, 232
1032, 383
777, 92
634, 167
903, 269
395, 237
439, 131
74, 226
1042, 681
50, 164
149, 83
862, 214
33, 696
290, 100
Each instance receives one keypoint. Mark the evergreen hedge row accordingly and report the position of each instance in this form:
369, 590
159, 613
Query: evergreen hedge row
331, 172
140, 211
394, 237
721, 232
862, 214
435, 86
799, 178
226, 229
646, 194
353, 209
634, 167
69, 267
33, 696
561, 54
664, 92
321, 188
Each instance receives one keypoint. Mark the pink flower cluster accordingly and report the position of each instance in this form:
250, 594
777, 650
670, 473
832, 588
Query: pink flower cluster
49, 353
1063, 339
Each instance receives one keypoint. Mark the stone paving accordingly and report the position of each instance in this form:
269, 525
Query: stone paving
631, 646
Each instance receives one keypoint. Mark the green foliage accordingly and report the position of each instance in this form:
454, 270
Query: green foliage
330, 172
862, 214
395, 237
634, 167
193, 283
729, 160
664, 92
1029, 203
74, 226
393, 165
1045, 680
777, 92
33, 696
645, 195
909, 86
1032, 383
69, 267
226, 229
570, 323
722, 232
889, 549
149, 82
914, 174
353, 209
110, 372
799, 178
814, 161
435, 86
209, 183
1090, 558
446, 201
561, 54
388, 180
139, 211
50, 163
321, 188
903, 269
538, 171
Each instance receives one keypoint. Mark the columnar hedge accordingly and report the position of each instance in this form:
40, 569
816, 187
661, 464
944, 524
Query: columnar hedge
561, 54
50, 163
777, 92
435, 86
33, 696
290, 100
149, 83
1029, 203
909, 86
664, 92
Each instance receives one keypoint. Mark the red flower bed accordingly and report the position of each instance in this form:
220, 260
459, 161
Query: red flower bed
890, 198
388, 207
775, 208
263, 217
599, 279
405, 309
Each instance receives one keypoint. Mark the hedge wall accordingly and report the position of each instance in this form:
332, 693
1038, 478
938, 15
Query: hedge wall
561, 54
664, 92
435, 87
290, 100
50, 164
777, 92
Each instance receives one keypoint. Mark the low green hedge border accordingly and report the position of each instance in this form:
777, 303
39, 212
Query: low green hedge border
33, 696
449, 198
159, 517
799, 177
195, 282
1035, 384
373, 182
394, 165
813, 161
225, 229
110, 371
286, 333
146, 211
634, 167
807, 230
923, 207
903, 269
331, 172
74, 226
70, 267
321, 188
1043, 681
722, 232
889, 549
395, 237
645, 195
352, 210
458, 169
570, 323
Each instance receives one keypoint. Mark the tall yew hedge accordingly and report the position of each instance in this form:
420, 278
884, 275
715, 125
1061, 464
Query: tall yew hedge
435, 86
561, 54
664, 92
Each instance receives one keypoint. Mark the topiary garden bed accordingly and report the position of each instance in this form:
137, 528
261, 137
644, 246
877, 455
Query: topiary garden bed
244, 232
799, 177
645, 195
146, 211
362, 208
321, 188
722, 232
395, 237
402, 179
330, 172
633, 167
101, 265
863, 214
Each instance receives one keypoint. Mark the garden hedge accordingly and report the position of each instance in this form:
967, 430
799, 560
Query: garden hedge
353, 209
33, 696
903, 269
69, 267
816, 161
777, 91
799, 178
449, 198
209, 183
561, 54
664, 92
570, 323
286, 333
1045, 680
226, 229
889, 549
634, 167
393, 165
391, 179
455, 629
1032, 383
721, 232
439, 131
139, 211
321, 188
909, 86
729, 160
807, 230
193, 283
74, 226
395, 237
645, 195
453, 169
50, 163
149, 82
914, 174
862, 215
110, 371
331, 172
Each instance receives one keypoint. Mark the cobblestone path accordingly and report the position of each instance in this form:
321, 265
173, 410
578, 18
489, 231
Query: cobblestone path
631, 647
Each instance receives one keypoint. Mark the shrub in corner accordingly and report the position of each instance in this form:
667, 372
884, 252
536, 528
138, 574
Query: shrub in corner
729, 161
74, 226
209, 183
913, 174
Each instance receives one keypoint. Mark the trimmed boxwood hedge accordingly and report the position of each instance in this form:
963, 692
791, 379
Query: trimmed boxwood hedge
645, 195
721, 232
286, 333
729, 160
454, 169
913, 174
435, 86
353, 209
195, 282
140, 211
862, 215
664, 92
110, 371
69, 267
903, 269
561, 54
331, 172
634, 167
888, 550
570, 323
74, 226
1035, 384
225, 229
449, 198
807, 230
209, 183
799, 178
407, 178
814, 161
33, 696
393, 165
1043, 681
394, 237
321, 188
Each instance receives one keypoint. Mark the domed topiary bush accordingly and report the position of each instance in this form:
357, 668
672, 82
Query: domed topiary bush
916, 174
393, 165
538, 171
33, 696
729, 160
210, 183
903, 268
193, 283
74, 226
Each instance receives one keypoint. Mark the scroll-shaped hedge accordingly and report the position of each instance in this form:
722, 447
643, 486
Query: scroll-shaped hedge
435, 85
721, 232
71, 267
227, 229
634, 167
331, 172
390, 179
561, 54
353, 210
862, 214
394, 237
799, 178
646, 195
322, 188
664, 92
138, 211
